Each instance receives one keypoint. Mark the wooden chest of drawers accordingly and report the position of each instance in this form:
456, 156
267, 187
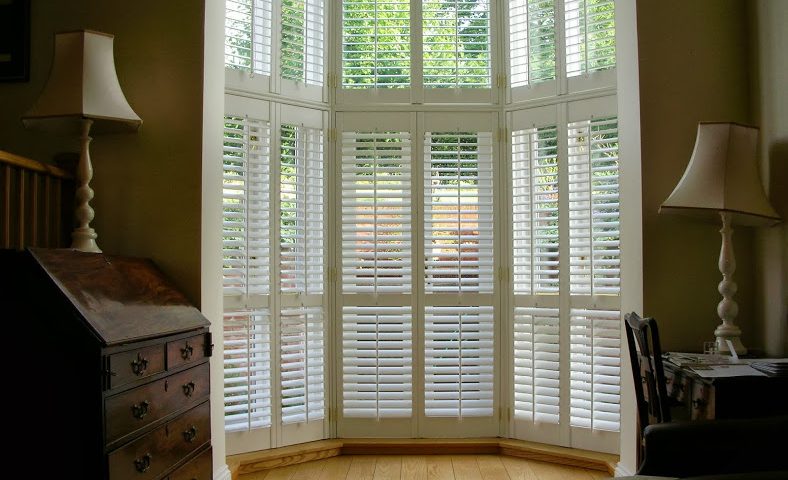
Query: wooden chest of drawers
114, 368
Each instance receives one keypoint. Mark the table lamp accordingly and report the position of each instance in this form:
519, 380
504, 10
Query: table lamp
83, 92
722, 181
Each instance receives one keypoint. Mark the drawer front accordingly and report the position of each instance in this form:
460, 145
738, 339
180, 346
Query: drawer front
150, 456
187, 350
129, 366
199, 468
136, 408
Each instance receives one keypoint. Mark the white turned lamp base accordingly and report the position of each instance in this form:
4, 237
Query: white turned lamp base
83, 237
727, 309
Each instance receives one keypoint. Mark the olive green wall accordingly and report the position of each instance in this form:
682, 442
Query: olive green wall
693, 67
147, 185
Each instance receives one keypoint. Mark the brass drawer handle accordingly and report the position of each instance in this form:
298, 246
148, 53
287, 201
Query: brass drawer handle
190, 434
187, 352
139, 410
139, 365
188, 389
143, 464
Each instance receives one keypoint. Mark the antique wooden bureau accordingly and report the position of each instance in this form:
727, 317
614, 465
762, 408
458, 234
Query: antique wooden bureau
113, 371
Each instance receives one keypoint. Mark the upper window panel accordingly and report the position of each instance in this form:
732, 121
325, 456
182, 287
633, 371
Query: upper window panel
375, 43
590, 36
532, 41
302, 41
456, 43
247, 35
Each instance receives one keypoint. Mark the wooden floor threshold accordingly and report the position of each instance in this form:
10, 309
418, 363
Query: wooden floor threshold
306, 452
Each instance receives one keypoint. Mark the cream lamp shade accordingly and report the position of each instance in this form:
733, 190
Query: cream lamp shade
722, 176
83, 91
722, 181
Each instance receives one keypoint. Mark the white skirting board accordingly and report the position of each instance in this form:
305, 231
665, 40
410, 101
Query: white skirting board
622, 471
222, 473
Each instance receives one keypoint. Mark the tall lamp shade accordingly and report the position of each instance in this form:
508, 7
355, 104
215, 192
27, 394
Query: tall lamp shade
722, 181
83, 92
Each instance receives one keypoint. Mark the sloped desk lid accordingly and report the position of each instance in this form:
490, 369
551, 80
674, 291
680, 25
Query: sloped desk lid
121, 299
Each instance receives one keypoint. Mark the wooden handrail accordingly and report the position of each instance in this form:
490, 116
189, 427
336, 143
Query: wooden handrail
34, 165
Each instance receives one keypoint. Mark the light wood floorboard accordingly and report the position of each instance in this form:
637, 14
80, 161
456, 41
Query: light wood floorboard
426, 467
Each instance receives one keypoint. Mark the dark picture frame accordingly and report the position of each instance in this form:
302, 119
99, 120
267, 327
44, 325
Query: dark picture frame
14, 40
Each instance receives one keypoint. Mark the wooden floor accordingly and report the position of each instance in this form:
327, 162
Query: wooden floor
426, 467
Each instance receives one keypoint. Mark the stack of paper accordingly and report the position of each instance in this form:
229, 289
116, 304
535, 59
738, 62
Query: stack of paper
773, 366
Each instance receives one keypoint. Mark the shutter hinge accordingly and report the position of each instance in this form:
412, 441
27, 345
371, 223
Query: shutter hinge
503, 274
501, 80
332, 134
501, 134
332, 80
332, 274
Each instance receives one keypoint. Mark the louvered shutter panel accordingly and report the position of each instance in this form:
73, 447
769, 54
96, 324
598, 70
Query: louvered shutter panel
247, 35
302, 41
456, 43
376, 43
590, 35
247, 370
535, 211
532, 41
595, 368
376, 204
594, 236
458, 213
301, 364
301, 210
377, 362
245, 206
537, 364
246, 274
301, 273
458, 361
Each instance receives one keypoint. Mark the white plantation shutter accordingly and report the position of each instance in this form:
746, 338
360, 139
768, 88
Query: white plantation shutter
377, 362
456, 43
532, 44
536, 364
301, 210
535, 211
458, 361
247, 37
594, 237
595, 366
301, 364
247, 370
302, 41
376, 211
245, 206
376, 43
590, 36
458, 212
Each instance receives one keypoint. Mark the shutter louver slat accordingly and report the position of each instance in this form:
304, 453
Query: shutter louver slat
536, 364
590, 36
458, 213
535, 211
532, 41
302, 39
456, 43
247, 35
594, 238
376, 43
595, 366
247, 367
